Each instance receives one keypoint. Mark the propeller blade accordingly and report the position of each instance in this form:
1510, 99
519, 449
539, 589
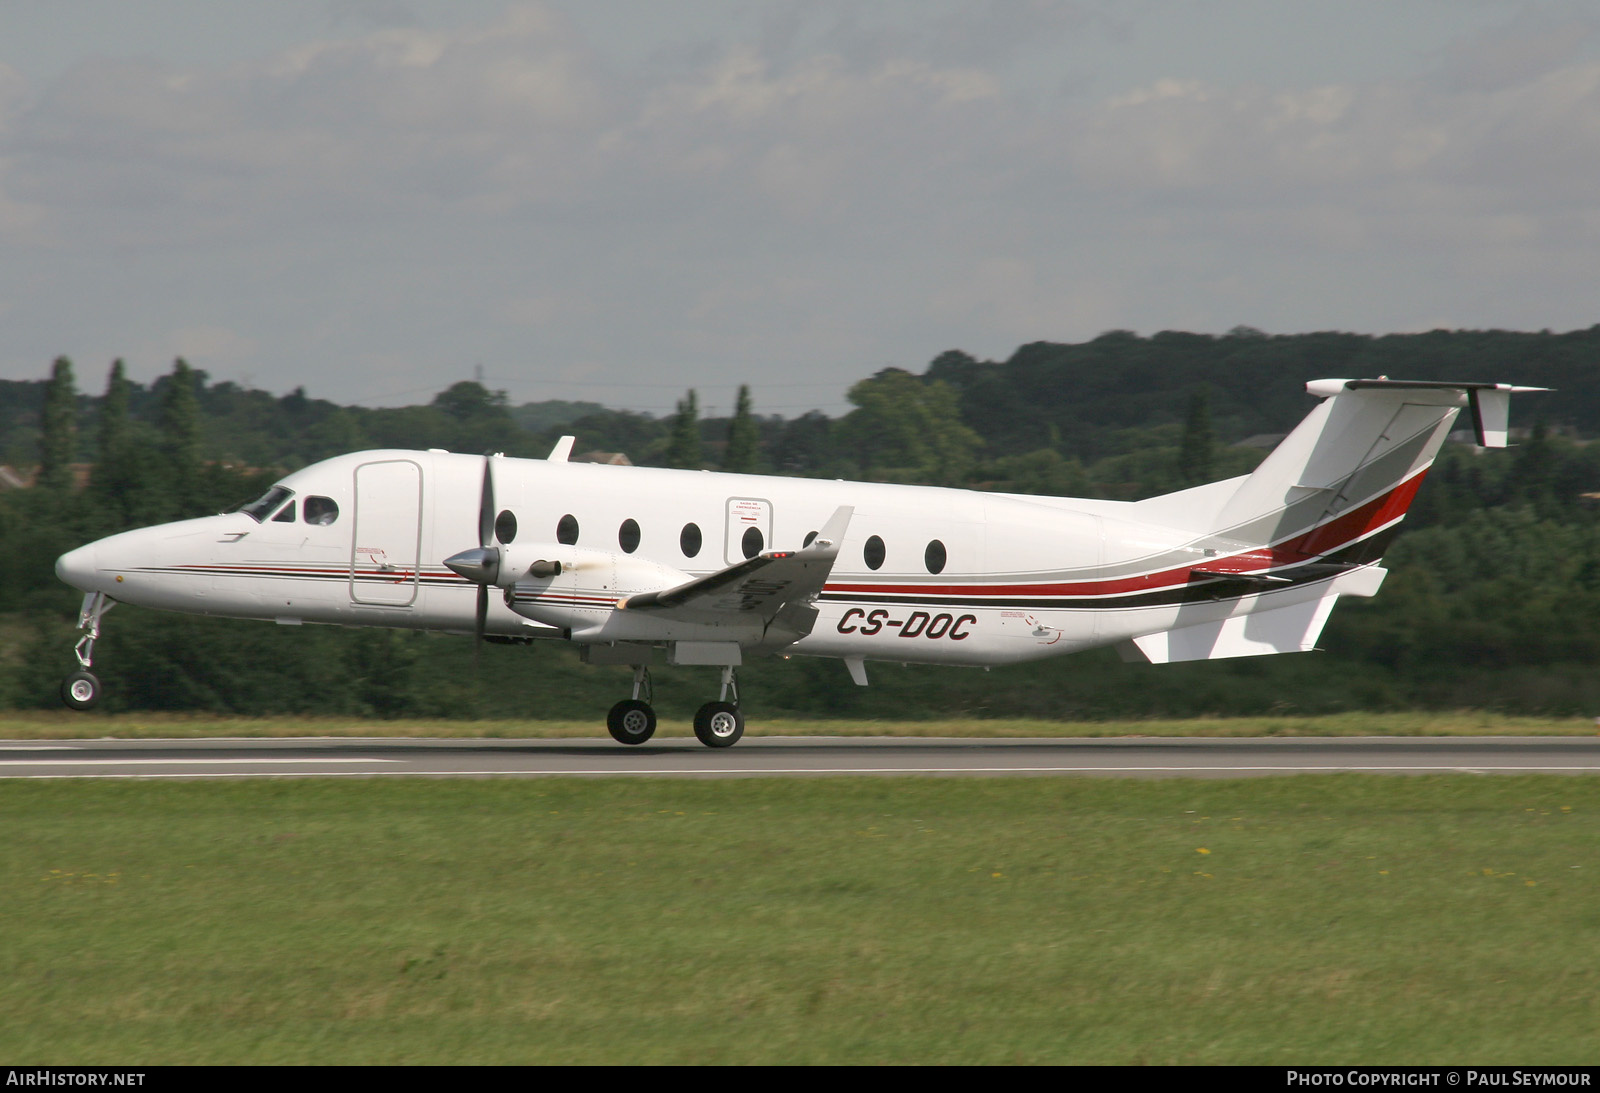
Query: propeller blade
483, 564
486, 511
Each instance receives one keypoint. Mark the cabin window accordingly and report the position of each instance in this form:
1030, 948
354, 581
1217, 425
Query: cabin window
873, 553
934, 557
810, 537
321, 511
689, 540
285, 514
268, 502
505, 526
567, 530
752, 542
628, 536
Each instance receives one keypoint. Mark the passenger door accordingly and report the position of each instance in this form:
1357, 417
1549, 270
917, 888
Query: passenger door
388, 533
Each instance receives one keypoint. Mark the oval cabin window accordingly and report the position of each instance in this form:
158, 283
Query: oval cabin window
505, 526
873, 553
752, 542
628, 536
934, 557
689, 540
567, 530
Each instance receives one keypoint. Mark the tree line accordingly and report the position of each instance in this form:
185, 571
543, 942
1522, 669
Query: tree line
1493, 599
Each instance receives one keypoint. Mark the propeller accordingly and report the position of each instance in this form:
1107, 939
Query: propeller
482, 564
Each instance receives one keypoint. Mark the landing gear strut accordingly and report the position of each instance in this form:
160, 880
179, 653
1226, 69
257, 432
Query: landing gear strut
81, 690
633, 720
720, 724
717, 724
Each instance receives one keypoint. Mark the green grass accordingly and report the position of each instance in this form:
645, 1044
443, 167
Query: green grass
64, 725
1333, 919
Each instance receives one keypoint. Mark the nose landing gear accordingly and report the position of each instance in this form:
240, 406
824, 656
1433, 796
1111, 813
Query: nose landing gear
81, 690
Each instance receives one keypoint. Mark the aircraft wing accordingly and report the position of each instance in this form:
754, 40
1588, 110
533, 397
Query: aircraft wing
777, 586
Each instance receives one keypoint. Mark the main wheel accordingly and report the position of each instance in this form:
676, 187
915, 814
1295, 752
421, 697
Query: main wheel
719, 724
80, 690
631, 721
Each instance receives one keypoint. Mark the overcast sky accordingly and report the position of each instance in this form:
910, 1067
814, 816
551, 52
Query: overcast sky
620, 199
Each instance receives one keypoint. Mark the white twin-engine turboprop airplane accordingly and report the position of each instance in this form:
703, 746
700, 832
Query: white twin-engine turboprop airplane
715, 568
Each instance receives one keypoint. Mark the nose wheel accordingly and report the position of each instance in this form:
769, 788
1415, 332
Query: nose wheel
82, 689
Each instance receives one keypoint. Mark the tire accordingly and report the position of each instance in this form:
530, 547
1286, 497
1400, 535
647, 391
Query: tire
81, 690
719, 724
631, 721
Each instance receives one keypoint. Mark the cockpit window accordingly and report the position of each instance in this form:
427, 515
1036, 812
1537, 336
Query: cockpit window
257, 510
321, 511
285, 515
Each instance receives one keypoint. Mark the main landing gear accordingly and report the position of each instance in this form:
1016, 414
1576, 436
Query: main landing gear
720, 724
633, 720
716, 724
81, 690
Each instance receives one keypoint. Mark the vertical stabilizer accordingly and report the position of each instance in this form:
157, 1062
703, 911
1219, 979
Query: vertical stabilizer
1351, 468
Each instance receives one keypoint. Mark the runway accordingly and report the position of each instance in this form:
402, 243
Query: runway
1140, 757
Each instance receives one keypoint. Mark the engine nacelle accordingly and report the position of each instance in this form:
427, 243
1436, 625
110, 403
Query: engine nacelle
532, 567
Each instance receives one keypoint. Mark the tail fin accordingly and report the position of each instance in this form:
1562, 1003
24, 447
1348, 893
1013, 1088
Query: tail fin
1348, 472
1308, 525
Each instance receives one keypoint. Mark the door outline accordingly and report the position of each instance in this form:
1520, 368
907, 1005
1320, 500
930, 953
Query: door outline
741, 513
366, 591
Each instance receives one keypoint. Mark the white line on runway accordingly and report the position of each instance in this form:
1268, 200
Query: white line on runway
757, 771
175, 762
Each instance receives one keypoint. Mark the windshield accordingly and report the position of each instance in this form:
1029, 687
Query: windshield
258, 509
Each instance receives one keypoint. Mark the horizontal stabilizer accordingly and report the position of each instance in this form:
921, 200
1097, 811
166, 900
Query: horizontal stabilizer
1489, 403
1292, 629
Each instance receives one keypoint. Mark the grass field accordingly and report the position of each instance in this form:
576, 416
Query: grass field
1334, 919
64, 725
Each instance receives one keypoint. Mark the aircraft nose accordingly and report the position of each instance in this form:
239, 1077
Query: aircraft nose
78, 568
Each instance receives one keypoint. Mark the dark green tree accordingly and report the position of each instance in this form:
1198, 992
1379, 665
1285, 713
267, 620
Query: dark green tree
117, 480
906, 430
743, 437
113, 432
179, 425
59, 428
478, 419
683, 449
469, 401
1197, 455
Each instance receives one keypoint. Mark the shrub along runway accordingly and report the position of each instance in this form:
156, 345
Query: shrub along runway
776, 757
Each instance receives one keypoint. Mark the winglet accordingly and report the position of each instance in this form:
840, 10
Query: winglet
832, 533
559, 453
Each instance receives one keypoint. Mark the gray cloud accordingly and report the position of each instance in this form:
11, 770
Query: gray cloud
376, 210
